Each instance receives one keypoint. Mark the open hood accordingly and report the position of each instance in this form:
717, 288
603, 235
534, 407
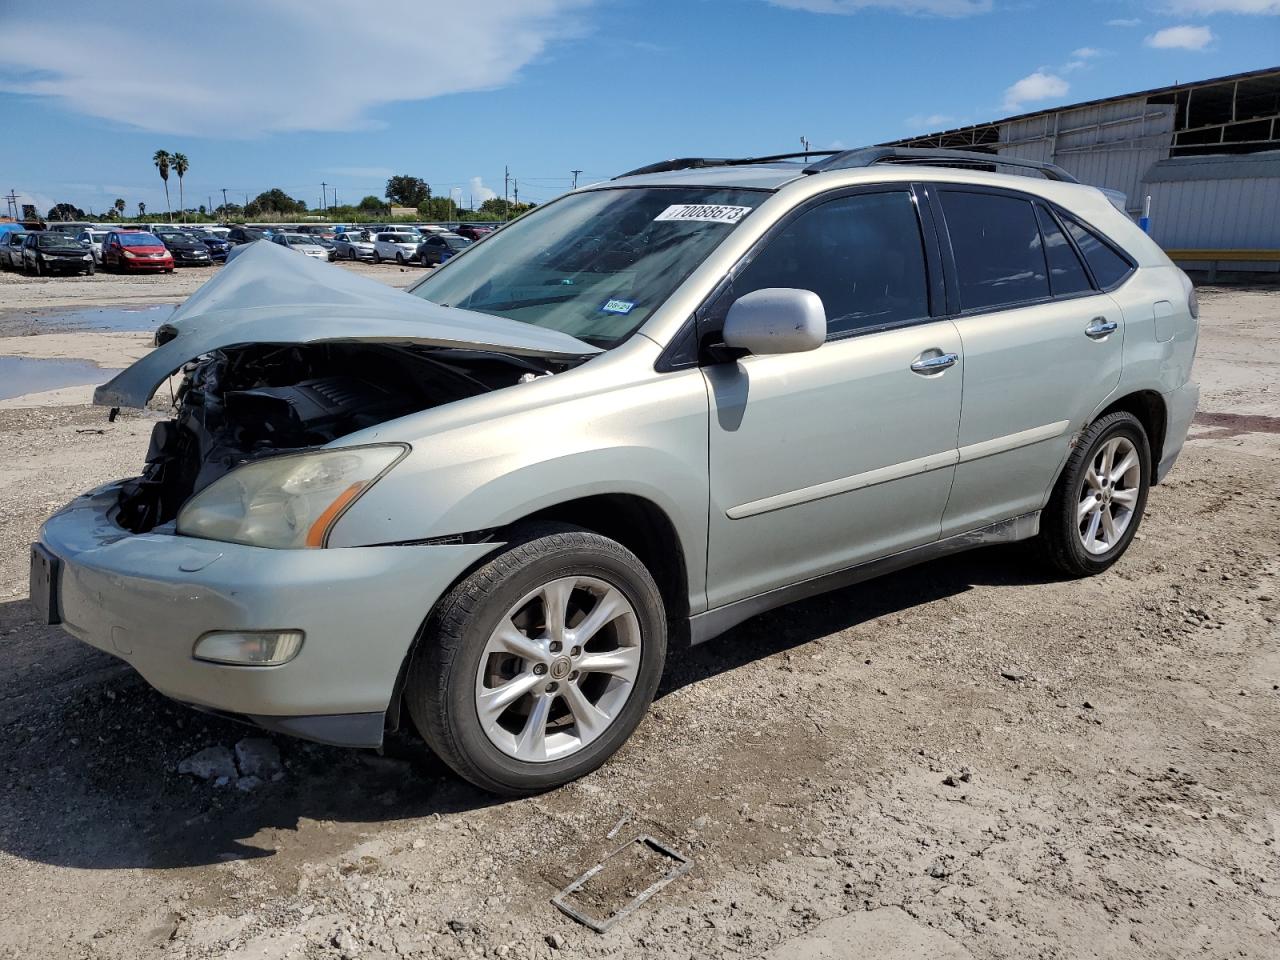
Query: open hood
271, 295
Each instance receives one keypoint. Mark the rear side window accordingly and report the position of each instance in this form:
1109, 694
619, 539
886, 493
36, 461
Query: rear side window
1109, 268
1066, 273
863, 255
998, 252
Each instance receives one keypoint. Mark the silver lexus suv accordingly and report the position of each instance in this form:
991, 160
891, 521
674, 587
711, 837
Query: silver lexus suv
625, 422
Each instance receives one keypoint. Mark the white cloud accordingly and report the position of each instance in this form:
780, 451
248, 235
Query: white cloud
479, 192
1124, 22
1180, 38
930, 8
932, 121
249, 92
1037, 86
1201, 7
1088, 53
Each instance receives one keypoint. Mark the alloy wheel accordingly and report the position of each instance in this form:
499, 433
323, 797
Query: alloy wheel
1108, 495
558, 669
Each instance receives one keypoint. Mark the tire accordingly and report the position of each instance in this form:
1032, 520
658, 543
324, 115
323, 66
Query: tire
88, 271
1067, 521
39, 269
445, 680
377, 257
400, 259
351, 254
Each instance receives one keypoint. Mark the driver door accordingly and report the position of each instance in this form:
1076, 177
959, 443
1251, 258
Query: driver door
826, 459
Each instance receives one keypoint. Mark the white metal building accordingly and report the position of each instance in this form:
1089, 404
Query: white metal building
1199, 150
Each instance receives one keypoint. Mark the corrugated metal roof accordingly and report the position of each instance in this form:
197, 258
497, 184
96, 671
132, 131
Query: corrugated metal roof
1244, 166
1154, 91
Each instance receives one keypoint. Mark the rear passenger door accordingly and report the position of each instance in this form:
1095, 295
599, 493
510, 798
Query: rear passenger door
1042, 346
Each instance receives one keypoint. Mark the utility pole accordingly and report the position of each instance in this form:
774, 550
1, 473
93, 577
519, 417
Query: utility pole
575, 178
224, 201
324, 196
517, 193
12, 200
506, 204
804, 142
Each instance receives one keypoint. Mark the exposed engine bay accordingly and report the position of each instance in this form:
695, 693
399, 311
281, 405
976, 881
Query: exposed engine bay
246, 403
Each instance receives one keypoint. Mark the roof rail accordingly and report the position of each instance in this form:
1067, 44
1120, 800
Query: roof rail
869, 156
696, 163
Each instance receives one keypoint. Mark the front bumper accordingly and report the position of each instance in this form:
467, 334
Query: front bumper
1180, 409
146, 598
140, 263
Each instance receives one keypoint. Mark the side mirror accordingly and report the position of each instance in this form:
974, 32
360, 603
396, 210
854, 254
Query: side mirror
776, 320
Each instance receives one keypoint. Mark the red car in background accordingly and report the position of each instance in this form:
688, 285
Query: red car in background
473, 233
125, 250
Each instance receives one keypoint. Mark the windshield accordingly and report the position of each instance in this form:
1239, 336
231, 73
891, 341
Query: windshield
457, 243
138, 240
58, 241
593, 265
298, 238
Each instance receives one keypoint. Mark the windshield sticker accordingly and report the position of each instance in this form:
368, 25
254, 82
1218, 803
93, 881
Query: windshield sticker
618, 306
703, 213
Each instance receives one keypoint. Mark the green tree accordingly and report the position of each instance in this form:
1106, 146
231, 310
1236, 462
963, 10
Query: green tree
372, 204
142, 209
65, 211
180, 166
118, 206
274, 201
406, 191
162, 161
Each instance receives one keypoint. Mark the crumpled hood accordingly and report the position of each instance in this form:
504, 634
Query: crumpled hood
271, 295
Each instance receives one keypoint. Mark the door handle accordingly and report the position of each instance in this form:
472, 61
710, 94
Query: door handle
1100, 328
930, 365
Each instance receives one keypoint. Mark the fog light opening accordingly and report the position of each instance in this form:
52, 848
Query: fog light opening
252, 648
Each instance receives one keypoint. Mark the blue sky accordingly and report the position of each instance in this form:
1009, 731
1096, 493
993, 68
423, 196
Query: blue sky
290, 93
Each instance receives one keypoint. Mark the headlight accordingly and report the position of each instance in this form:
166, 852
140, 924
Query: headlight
129, 254
286, 502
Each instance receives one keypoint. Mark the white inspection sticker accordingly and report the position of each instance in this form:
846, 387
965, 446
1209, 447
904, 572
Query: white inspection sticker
703, 213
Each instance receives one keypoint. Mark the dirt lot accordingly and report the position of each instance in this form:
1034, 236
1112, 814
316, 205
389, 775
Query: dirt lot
964, 760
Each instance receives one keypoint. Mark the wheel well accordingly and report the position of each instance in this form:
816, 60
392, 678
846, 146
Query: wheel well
1148, 407
642, 527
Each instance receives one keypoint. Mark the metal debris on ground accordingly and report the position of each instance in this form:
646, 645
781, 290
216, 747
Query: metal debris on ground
620, 872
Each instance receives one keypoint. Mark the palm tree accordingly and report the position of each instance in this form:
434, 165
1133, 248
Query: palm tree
180, 167
118, 206
142, 209
161, 160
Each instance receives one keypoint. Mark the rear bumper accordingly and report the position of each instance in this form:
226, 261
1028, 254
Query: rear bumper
147, 598
1180, 409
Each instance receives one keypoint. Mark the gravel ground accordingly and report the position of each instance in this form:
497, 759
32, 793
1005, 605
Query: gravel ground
968, 759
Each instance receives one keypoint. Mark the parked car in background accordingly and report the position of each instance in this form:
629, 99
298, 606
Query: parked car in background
301, 243
94, 239
11, 249
216, 243
131, 250
400, 247
472, 232
187, 251
245, 234
52, 251
440, 247
353, 245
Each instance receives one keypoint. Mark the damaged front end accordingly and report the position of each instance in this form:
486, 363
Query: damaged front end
281, 354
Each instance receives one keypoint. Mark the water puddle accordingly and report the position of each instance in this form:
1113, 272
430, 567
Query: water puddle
123, 319
20, 376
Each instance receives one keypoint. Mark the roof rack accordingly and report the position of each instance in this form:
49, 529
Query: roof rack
865, 157
869, 156
697, 163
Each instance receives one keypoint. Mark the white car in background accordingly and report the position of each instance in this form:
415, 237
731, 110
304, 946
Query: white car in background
401, 247
353, 245
94, 239
301, 243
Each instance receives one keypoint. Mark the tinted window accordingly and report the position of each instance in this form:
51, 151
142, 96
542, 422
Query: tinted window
862, 255
998, 254
1066, 272
1108, 267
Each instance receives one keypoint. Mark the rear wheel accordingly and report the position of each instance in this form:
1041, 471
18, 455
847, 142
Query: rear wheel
377, 257
1098, 503
538, 666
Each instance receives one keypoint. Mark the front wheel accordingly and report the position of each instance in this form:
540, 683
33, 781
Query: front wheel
1098, 502
538, 666
377, 257
88, 271
400, 259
